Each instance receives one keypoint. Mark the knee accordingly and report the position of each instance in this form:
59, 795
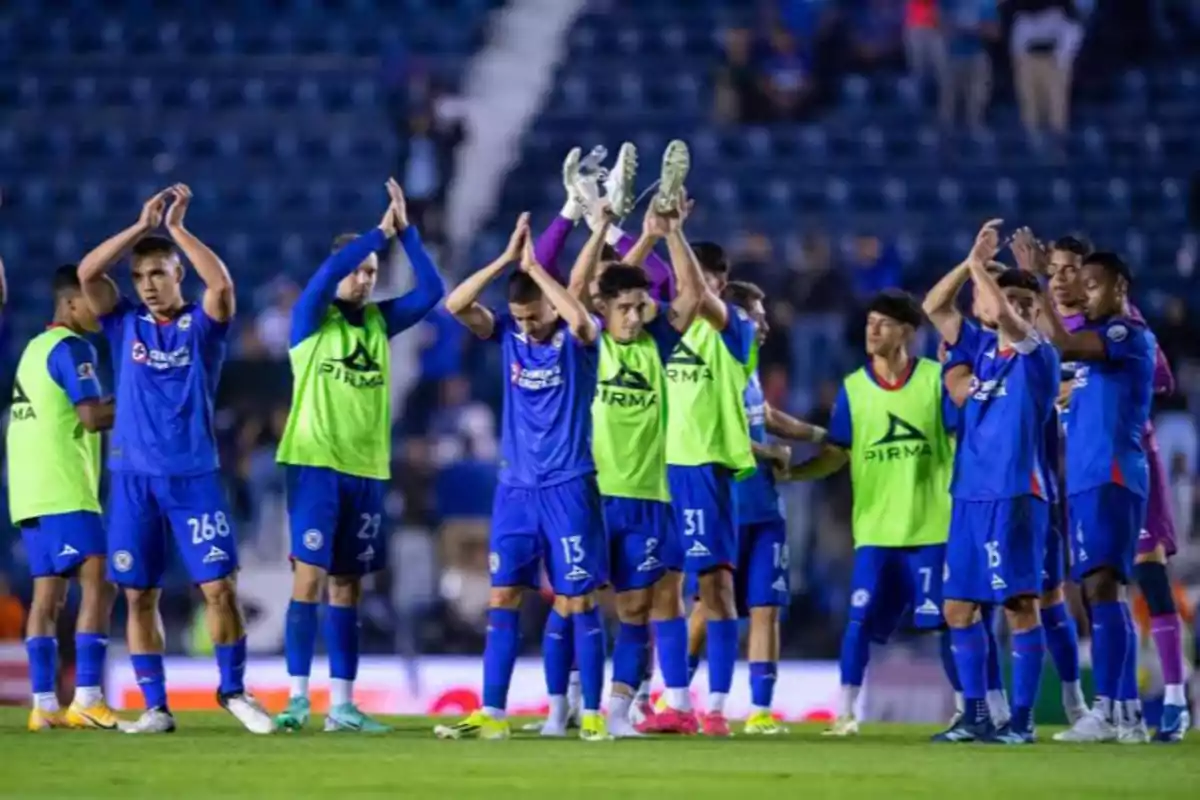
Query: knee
220, 595
667, 601
960, 614
308, 582
1053, 597
1155, 585
764, 618
633, 608
344, 591
716, 594
1022, 614
577, 605
142, 602
509, 598
47, 603
1102, 586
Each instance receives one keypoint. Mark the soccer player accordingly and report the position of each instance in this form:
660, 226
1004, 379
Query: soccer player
547, 504
1000, 515
1108, 478
889, 424
58, 410
1156, 542
167, 356
336, 450
629, 422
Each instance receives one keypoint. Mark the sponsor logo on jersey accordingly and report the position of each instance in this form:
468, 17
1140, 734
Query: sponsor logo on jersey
161, 360
536, 380
215, 555
493, 562
998, 583
651, 562
67, 550
86, 371
698, 550
780, 585
21, 407
357, 370
902, 441
578, 573
982, 391
928, 608
367, 555
685, 366
627, 389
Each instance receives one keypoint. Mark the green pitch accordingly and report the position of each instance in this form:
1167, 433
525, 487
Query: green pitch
212, 757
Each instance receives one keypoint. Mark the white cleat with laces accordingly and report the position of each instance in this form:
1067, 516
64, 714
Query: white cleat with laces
152, 720
248, 711
619, 183
1091, 727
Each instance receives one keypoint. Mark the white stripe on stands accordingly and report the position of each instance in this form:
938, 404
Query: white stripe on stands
506, 86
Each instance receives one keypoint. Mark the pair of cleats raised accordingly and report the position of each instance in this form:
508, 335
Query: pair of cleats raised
584, 177
481, 725
345, 717
98, 716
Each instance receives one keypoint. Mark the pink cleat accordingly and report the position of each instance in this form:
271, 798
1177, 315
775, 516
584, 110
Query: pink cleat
715, 724
671, 720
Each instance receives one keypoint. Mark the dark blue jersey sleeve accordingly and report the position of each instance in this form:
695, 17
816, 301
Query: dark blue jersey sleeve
502, 323
401, 313
72, 365
739, 333
971, 340
663, 332
1124, 341
322, 286
113, 323
840, 425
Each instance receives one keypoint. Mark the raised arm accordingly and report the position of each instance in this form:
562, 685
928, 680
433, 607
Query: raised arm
579, 321
991, 297
463, 303
587, 262
99, 289
689, 281
401, 313
219, 301
1082, 345
641, 253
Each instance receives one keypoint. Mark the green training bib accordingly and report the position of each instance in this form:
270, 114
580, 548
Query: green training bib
629, 420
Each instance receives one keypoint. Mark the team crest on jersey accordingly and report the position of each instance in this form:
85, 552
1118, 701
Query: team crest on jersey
184, 322
122, 561
860, 598
313, 539
557, 341
493, 562
139, 353
651, 562
86, 371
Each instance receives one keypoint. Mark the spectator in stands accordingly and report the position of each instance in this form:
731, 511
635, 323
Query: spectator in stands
814, 287
1046, 36
442, 342
924, 42
969, 25
739, 96
876, 34
434, 133
787, 77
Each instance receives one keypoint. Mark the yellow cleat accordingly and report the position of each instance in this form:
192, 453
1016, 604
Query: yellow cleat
761, 723
477, 725
594, 728
94, 717
45, 720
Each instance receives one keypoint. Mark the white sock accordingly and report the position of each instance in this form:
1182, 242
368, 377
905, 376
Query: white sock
679, 699
716, 702
1131, 711
88, 696
997, 703
759, 710
1106, 707
847, 700
494, 713
45, 701
341, 691
643, 692
1072, 692
1174, 695
618, 707
558, 709
299, 686
574, 690
960, 702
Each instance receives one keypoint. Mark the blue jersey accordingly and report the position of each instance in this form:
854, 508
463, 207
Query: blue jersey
1109, 409
166, 376
72, 365
1001, 450
757, 498
546, 430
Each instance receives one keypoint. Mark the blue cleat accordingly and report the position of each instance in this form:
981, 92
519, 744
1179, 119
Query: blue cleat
964, 731
1173, 725
1009, 734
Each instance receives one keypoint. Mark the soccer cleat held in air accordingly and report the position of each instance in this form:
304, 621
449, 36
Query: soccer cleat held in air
96, 717
619, 184
1092, 727
1173, 725
677, 161
247, 711
348, 717
594, 728
763, 723
842, 726
40, 720
152, 720
295, 716
477, 725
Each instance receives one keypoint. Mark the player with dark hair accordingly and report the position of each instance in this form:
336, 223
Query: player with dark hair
336, 449
547, 504
1108, 481
167, 356
53, 450
890, 425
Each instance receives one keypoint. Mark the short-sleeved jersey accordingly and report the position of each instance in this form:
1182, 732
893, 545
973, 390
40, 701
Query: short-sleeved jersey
72, 365
1001, 450
166, 375
546, 428
757, 498
1109, 409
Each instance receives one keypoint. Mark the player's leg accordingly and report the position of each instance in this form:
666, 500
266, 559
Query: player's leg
1150, 570
697, 626
763, 591
631, 651
41, 629
926, 572
202, 525
721, 630
1062, 636
514, 557
558, 659
96, 595
997, 699
868, 618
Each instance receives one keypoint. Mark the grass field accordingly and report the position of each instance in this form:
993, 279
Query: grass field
211, 757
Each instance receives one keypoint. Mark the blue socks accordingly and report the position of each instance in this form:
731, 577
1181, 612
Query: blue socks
762, 683
300, 638
1029, 652
341, 639
1127, 686
590, 656
670, 638
946, 646
500, 656
722, 654
630, 654
231, 662
90, 649
1109, 643
970, 657
856, 649
1062, 640
43, 657
151, 678
558, 653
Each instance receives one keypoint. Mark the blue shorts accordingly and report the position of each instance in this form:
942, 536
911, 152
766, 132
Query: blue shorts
563, 524
142, 509
996, 549
335, 520
1105, 523
639, 542
57, 544
705, 516
1054, 565
894, 585
762, 579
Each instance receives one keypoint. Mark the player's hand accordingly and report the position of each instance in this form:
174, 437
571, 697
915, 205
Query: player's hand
1064, 394
514, 252
152, 211
181, 197
1028, 251
528, 257
399, 204
943, 352
780, 456
987, 242
671, 221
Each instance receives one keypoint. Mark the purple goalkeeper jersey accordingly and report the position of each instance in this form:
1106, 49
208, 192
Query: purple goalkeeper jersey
1160, 524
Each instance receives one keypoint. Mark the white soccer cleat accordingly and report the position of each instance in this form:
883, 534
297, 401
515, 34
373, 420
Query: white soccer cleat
677, 161
249, 712
842, 726
153, 720
621, 727
619, 184
1131, 725
1092, 727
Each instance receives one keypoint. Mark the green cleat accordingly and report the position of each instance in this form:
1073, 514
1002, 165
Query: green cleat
347, 717
295, 716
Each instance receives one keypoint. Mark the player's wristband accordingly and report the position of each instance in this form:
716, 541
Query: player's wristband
819, 434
